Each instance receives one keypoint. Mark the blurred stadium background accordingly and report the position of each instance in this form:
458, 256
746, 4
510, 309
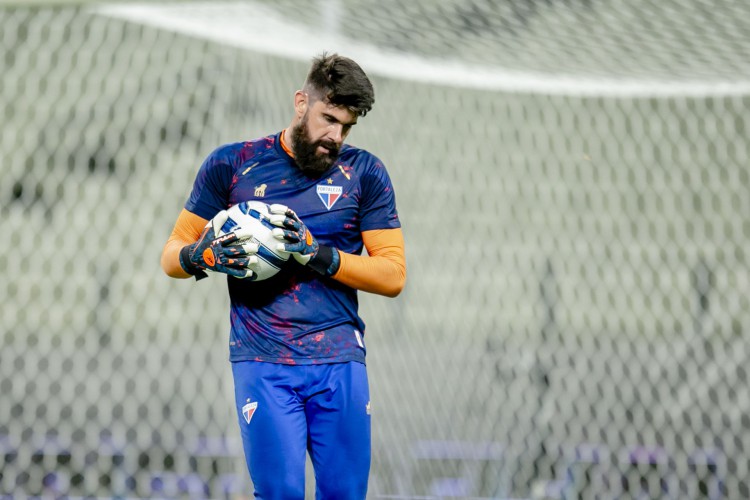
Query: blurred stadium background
573, 180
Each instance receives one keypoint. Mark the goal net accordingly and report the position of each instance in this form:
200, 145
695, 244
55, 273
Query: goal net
573, 183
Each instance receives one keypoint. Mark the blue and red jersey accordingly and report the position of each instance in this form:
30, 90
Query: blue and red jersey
298, 316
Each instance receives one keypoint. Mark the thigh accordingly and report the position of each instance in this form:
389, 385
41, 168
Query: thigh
338, 417
273, 428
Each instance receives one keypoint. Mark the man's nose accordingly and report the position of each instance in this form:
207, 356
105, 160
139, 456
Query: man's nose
335, 133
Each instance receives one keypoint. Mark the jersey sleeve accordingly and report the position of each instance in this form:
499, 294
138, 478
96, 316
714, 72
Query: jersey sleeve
378, 203
210, 192
383, 271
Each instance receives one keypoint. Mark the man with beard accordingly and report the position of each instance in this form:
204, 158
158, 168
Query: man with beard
296, 340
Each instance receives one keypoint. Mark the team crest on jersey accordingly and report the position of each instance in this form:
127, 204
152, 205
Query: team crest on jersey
329, 194
248, 410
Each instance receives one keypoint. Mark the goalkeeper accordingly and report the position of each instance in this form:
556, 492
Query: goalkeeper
296, 341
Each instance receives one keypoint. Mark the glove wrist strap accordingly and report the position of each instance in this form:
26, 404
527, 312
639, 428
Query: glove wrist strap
188, 266
326, 261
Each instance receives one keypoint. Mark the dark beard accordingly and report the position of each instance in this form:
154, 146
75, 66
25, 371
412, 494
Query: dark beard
306, 156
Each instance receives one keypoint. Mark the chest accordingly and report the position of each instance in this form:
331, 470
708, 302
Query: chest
329, 206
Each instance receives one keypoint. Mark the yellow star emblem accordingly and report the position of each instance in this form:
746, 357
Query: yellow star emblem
330, 181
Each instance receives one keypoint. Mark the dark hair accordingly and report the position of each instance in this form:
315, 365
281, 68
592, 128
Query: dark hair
341, 82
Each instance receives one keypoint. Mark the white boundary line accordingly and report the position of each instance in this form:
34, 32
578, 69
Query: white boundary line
258, 28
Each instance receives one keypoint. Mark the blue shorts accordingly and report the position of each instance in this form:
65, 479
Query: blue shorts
285, 411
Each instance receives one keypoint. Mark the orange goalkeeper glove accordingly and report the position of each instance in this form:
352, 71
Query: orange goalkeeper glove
216, 252
297, 239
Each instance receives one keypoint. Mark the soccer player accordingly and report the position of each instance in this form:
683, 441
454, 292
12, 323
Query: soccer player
296, 342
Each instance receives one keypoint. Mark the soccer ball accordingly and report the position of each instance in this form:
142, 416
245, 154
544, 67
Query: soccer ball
254, 215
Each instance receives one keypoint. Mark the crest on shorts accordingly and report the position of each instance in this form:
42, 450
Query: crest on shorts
249, 409
329, 194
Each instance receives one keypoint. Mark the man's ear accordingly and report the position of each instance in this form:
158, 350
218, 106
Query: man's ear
301, 101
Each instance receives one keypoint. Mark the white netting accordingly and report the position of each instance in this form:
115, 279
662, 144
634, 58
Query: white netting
574, 186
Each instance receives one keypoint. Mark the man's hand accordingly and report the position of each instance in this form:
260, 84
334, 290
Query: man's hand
221, 254
297, 239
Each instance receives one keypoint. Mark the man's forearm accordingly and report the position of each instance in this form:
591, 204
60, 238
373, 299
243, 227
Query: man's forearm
382, 272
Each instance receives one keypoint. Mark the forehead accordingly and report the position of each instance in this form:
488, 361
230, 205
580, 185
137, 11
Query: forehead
341, 113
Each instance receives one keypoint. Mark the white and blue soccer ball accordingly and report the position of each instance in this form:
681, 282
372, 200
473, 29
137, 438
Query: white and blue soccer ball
254, 215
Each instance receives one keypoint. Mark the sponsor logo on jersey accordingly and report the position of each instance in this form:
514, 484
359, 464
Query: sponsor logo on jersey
329, 194
249, 409
260, 191
346, 174
250, 168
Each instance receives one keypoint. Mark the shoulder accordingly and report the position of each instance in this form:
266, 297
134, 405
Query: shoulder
361, 160
238, 153
370, 172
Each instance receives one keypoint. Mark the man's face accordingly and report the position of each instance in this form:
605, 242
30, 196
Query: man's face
317, 138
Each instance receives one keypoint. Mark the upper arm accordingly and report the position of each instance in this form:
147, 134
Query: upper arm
378, 204
210, 193
383, 271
